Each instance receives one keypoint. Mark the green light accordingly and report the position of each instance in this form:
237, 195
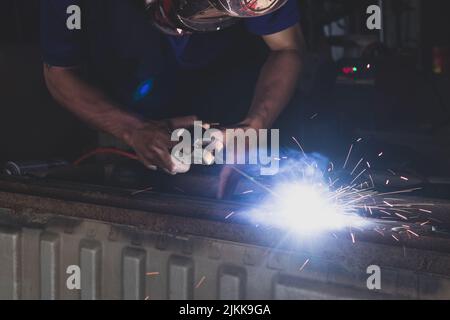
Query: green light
355, 69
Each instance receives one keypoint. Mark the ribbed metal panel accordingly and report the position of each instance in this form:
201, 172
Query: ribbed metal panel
49, 265
10, 273
120, 262
181, 278
133, 277
232, 283
91, 269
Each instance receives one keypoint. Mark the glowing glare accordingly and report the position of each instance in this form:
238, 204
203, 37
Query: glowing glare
305, 208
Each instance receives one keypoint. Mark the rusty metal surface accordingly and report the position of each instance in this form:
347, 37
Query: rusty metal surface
118, 239
171, 213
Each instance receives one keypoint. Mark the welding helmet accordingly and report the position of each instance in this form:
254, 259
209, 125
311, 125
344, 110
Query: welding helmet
180, 17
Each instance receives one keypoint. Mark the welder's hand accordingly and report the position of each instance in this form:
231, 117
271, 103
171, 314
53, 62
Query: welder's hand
152, 142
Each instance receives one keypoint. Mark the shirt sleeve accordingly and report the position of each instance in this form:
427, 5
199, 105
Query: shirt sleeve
285, 17
60, 46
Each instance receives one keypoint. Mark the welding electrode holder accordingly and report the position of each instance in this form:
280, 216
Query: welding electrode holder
207, 157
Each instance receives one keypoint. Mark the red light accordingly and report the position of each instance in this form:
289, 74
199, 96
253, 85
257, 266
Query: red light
347, 70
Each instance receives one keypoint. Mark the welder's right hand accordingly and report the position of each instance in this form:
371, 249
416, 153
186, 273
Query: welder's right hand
152, 141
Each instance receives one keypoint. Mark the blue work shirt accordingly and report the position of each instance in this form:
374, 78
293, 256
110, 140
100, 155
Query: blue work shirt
128, 57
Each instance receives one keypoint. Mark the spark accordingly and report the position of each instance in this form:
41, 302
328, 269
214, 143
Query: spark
371, 180
152, 274
396, 239
388, 204
413, 233
147, 298
229, 215
314, 116
387, 182
334, 182
425, 223
247, 192
359, 139
359, 175
400, 216
391, 172
356, 167
331, 166
353, 237
400, 191
404, 178
300, 146
348, 156
141, 191
200, 282
402, 210
380, 154
426, 211
304, 265
309, 200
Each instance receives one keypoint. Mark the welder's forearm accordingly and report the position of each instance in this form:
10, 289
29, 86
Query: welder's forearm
275, 87
88, 103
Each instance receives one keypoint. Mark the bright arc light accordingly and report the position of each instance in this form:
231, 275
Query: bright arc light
306, 208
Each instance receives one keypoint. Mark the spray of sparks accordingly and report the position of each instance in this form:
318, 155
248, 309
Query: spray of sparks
310, 199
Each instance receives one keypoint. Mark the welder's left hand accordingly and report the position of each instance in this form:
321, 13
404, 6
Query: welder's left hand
229, 177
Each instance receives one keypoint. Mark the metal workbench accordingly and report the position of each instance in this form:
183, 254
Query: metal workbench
157, 246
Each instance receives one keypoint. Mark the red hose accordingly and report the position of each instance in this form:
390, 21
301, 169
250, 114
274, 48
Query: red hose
112, 151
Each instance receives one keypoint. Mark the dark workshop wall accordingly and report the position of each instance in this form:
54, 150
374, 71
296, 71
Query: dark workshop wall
32, 126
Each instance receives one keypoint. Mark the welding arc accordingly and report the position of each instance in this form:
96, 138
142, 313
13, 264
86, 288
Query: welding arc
99, 151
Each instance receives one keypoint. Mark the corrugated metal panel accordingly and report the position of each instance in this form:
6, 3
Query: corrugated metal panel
120, 262
10, 272
49, 263
91, 266
133, 274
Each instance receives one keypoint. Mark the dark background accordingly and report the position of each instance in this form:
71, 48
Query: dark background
404, 108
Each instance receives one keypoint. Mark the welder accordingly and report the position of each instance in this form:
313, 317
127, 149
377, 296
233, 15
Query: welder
117, 71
